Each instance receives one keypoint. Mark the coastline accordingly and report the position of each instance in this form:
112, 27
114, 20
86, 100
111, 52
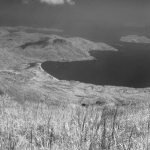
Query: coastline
35, 82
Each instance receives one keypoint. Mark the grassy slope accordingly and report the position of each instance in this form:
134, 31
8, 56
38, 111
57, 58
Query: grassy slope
38, 126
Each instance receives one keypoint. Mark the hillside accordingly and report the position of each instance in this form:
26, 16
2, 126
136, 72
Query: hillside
42, 47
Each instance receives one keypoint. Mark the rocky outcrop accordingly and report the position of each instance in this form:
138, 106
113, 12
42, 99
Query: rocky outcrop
135, 39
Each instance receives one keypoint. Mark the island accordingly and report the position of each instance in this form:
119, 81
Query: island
135, 39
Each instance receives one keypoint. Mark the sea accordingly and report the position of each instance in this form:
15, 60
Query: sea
129, 67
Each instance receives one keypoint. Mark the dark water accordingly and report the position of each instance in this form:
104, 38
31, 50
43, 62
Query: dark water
130, 67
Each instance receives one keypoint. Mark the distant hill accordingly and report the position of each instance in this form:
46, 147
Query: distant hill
135, 39
41, 47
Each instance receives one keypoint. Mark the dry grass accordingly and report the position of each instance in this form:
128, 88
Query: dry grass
37, 126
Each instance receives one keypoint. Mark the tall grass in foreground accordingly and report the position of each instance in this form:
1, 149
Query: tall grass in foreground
37, 126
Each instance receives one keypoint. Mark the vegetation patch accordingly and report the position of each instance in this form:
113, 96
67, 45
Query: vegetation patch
39, 126
41, 43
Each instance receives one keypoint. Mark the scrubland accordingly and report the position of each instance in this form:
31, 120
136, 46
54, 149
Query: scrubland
40, 126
